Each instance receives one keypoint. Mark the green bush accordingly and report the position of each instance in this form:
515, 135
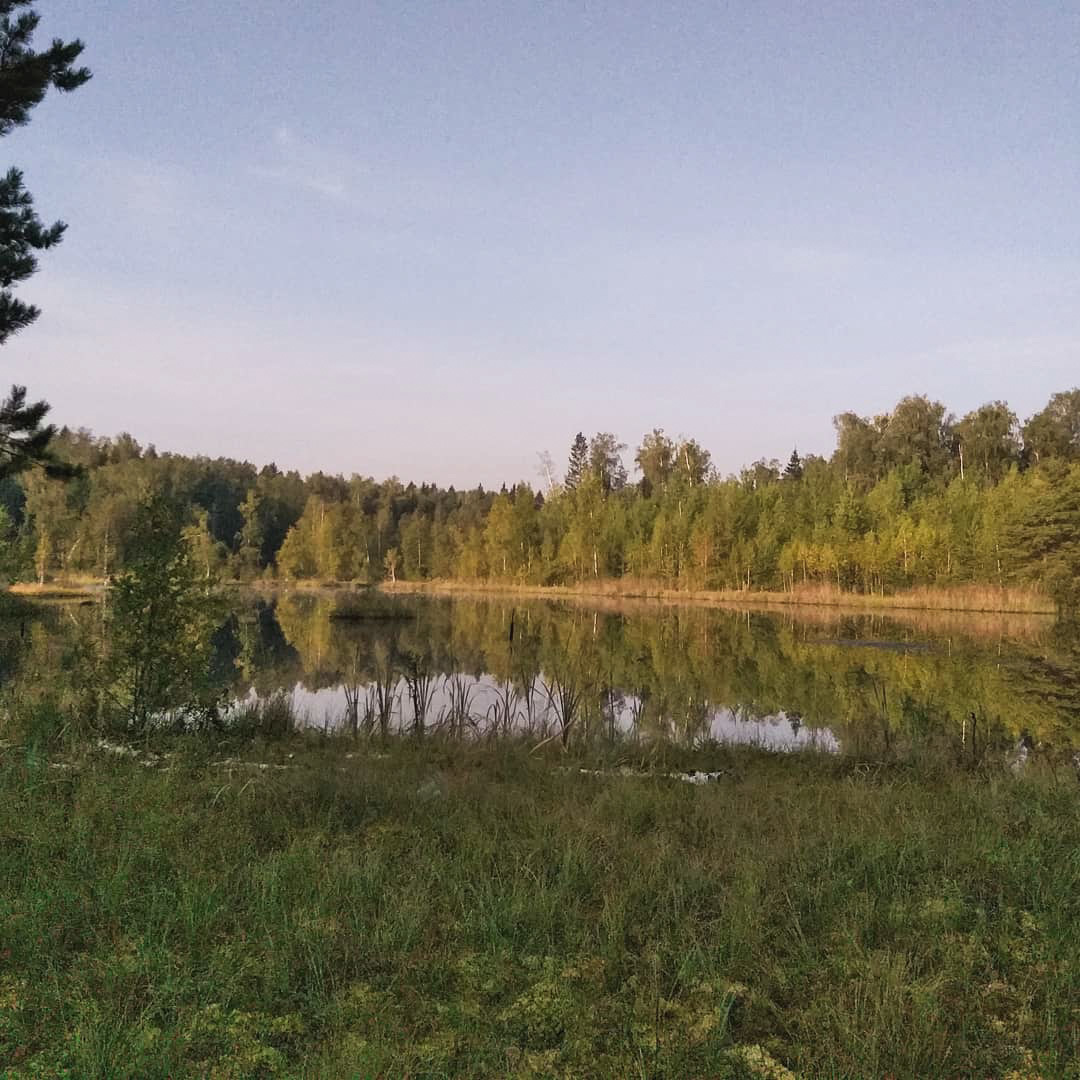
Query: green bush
159, 623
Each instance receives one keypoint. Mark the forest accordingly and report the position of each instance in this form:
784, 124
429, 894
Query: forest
913, 497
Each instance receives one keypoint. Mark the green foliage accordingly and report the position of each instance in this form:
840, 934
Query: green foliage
578, 463
160, 617
793, 470
908, 499
989, 441
331, 541
25, 76
655, 459
605, 461
24, 437
9, 555
1054, 433
1046, 538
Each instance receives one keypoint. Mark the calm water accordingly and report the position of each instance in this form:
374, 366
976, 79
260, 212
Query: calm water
675, 672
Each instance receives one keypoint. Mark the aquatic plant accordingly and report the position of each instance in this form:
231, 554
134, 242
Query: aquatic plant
420, 684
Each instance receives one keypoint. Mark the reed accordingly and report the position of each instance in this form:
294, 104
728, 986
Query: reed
565, 701
504, 713
973, 598
383, 693
420, 684
461, 691
353, 688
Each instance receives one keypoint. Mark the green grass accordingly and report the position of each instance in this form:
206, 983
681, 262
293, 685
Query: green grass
433, 909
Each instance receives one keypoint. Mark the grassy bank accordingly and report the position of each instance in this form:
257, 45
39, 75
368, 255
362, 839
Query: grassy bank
966, 598
986, 599
458, 910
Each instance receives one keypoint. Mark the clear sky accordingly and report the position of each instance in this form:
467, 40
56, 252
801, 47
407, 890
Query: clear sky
433, 239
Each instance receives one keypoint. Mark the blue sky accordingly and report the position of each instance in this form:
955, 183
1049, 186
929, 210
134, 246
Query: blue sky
434, 239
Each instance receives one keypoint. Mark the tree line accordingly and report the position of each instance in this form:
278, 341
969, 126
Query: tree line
913, 497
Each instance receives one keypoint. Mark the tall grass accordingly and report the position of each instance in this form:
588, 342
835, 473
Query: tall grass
448, 908
565, 699
353, 686
973, 598
382, 693
458, 714
504, 713
271, 717
420, 684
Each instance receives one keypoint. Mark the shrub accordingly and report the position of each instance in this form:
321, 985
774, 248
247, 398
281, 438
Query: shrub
159, 621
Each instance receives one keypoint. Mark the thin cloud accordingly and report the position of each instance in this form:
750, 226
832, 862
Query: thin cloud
300, 164
333, 187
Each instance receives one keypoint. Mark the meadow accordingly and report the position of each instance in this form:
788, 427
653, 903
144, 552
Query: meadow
425, 907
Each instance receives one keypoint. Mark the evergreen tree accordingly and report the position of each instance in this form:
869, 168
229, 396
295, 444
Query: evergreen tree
24, 439
25, 76
793, 470
579, 462
1045, 540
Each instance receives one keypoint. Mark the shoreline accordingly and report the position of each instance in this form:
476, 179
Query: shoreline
975, 599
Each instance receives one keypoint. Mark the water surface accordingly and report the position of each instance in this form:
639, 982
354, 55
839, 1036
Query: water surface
689, 674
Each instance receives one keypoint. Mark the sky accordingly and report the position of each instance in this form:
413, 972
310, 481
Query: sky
434, 239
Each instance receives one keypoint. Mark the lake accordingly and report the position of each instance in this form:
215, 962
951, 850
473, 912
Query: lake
570, 670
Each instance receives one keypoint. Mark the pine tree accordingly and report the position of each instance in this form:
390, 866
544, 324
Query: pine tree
1044, 541
23, 438
579, 462
793, 470
25, 76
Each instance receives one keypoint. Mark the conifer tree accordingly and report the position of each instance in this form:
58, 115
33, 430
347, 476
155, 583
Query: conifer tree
1044, 541
24, 440
793, 470
25, 76
579, 462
